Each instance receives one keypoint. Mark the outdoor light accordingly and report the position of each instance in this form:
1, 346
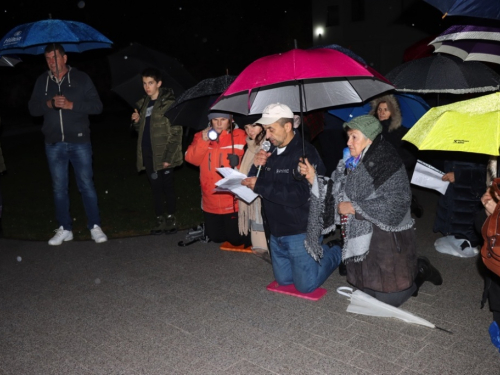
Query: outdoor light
319, 31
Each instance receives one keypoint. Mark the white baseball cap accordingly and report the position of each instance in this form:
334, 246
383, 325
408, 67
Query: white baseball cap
273, 112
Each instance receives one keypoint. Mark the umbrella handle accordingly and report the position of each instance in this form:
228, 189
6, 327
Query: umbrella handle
343, 290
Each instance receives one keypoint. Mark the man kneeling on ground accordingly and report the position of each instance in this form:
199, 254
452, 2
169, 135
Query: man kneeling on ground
285, 196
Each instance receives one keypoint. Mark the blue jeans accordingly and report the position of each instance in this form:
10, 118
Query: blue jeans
293, 265
59, 155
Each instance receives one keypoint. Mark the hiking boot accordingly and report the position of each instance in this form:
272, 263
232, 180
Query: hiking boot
61, 236
170, 224
97, 234
427, 272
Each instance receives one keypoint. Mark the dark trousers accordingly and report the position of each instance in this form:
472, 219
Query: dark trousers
162, 187
224, 227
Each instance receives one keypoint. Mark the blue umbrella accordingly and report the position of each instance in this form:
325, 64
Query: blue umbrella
469, 8
345, 51
32, 38
412, 108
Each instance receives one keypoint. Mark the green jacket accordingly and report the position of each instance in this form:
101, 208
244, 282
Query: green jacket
166, 139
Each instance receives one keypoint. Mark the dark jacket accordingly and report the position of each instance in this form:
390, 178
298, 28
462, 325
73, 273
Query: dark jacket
458, 206
66, 125
285, 199
166, 139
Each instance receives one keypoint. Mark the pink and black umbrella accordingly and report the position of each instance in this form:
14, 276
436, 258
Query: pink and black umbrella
304, 80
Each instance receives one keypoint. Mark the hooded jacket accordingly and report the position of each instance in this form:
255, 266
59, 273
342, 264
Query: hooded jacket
286, 199
166, 139
210, 155
66, 125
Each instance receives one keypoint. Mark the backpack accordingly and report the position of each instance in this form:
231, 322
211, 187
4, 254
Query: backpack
490, 252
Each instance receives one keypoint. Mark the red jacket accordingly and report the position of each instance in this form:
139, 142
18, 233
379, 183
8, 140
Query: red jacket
209, 155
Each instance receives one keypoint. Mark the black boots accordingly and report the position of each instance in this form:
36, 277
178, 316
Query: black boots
342, 266
426, 272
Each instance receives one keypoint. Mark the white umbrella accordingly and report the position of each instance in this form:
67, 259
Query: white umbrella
364, 304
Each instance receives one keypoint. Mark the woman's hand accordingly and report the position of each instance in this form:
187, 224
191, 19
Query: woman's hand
307, 170
450, 176
204, 134
345, 208
488, 202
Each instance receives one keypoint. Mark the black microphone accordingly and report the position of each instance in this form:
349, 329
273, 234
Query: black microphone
266, 145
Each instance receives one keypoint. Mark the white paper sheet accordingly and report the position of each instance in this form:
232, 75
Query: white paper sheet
429, 177
232, 183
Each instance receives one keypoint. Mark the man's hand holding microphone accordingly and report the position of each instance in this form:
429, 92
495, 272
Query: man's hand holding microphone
259, 160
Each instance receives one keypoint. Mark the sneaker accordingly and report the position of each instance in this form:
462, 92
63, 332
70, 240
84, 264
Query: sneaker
60, 236
170, 224
160, 225
97, 234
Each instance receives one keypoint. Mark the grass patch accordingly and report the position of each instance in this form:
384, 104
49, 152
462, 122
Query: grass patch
125, 199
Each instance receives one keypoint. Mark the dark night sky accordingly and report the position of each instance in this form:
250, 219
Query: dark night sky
207, 38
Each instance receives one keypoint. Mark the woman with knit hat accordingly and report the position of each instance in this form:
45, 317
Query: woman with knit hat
369, 196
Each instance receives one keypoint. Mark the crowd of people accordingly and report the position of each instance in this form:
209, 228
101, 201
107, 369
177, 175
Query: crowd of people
365, 194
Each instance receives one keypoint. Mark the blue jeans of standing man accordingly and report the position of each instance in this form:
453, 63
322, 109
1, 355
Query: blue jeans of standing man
59, 156
293, 265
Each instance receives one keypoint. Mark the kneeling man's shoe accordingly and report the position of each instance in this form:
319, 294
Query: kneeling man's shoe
97, 234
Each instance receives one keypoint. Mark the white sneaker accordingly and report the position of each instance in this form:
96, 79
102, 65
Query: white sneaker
61, 235
97, 234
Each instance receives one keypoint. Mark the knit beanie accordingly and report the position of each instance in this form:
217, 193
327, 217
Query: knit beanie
366, 124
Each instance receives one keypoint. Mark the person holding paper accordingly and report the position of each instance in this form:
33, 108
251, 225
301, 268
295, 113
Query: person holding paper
249, 215
285, 196
455, 212
221, 144
369, 196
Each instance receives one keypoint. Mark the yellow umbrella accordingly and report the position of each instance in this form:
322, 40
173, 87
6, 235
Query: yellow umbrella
469, 126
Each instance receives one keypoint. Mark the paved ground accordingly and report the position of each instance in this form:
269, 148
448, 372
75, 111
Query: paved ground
146, 306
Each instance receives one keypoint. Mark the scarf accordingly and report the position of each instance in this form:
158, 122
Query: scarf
247, 212
379, 191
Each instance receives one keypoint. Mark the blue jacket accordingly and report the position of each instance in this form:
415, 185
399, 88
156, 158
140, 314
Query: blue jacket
285, 199
66, 125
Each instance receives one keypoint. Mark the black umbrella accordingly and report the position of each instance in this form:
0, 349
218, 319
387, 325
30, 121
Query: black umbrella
191, 108
444, 74
128, 64
9, 61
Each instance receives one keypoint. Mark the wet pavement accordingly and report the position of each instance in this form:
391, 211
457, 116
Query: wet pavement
143, 305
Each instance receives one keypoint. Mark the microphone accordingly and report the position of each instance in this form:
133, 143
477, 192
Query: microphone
266, 145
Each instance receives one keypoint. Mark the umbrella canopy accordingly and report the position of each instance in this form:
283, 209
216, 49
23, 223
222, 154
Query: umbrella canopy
191, 108
345, 51
444, 74
460, 32
9, 61
32, 38
127, 65
470, 8
364, 304
471, 50
326, 77
412, 108
419, 49
469, 126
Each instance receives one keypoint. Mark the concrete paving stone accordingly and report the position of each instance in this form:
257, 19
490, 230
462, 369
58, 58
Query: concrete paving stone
332, 333
373, 330
409, 343
244, 367
444, 359
342, 352
332, 366
372, 345
375, 364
